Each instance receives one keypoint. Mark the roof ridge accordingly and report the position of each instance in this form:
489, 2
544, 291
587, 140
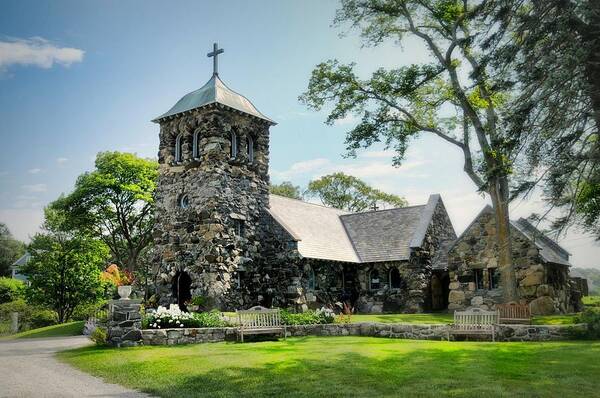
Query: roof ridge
314, 204
381, 211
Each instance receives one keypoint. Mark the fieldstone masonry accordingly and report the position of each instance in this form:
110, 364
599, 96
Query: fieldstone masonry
124, 323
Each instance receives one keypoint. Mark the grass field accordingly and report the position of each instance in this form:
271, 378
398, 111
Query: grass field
350, 367
62, 330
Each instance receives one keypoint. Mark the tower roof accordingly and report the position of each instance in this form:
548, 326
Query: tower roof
213, 92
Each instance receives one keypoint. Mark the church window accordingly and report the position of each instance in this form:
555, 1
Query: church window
239, 227
494, 278
238, 279
312, 280
395, 279
374, 280
478, 276
184, 201
234, 145
179, 148
250, 149
196, 147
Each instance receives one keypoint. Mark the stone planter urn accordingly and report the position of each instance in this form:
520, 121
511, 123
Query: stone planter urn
124, 292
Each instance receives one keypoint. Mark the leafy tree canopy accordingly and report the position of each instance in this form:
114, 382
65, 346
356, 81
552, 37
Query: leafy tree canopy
10, 250
286, 189
114, 203
64, 270
350, 193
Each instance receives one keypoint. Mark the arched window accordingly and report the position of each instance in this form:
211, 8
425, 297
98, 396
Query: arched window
196, 147
374, 280
178, 148
395, 279
184, 201
250, 149
234, 145
312, 280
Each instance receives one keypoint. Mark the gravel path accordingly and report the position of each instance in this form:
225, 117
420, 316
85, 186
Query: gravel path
28, 368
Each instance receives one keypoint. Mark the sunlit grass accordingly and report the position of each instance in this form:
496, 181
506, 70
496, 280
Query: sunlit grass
62, 330
350, 367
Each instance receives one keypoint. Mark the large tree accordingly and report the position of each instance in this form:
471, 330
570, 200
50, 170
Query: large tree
346, 192
114, 203
64, 270
10, 250
549, 53
453, 97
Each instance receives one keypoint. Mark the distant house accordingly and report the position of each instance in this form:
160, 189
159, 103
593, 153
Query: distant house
15, 268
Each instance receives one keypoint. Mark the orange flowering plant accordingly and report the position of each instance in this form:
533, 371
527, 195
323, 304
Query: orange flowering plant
117, 277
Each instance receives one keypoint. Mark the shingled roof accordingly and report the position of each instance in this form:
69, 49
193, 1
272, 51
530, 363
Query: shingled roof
332, 234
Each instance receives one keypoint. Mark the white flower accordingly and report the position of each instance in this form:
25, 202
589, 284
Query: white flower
181, 325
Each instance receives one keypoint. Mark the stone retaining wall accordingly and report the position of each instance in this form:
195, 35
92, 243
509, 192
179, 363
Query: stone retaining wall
396, 331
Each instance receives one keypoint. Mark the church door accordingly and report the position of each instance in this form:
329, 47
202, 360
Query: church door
182, 284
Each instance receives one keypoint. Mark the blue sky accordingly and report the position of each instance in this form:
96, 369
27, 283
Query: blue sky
79, 77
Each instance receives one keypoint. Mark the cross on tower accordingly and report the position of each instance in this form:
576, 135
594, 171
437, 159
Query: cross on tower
374, 206
215, 54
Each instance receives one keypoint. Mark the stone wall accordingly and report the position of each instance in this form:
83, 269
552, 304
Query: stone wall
395, 331
543, 286
224, 195
124, 323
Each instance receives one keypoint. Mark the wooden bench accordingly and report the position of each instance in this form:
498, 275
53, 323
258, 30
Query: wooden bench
259, 320
474, 322
514, 313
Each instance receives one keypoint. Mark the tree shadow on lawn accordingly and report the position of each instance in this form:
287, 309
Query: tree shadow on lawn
416, 369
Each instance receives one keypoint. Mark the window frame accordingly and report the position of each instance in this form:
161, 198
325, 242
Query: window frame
493, 278
233, 149
478, 278
399, 278
178, 148
250, 148
196, 146
371, 287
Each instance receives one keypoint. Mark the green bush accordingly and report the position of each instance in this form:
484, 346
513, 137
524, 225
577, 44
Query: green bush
99, 336
30, 317
83, 312
310, 317
11, 290
590, 316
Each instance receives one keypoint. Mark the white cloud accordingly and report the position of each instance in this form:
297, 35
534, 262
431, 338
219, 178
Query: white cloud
36, 51
34, 171
303, 167
61, 161
377, 154
35, 188
346, 120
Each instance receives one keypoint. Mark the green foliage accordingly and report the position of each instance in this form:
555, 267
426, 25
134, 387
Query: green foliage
84, 311
590, 316
286, 189
64, 270
309, 317
30, 316
591, 301
114, 203
99, 336
10, 250
11, 289
350, 193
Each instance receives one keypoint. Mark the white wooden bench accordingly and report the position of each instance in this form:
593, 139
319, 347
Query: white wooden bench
514, 313
474, 322
259, 320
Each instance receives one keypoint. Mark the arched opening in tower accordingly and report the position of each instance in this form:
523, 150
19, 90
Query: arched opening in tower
182, 284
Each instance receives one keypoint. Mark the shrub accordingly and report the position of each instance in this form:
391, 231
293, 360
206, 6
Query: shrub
99, 336
310, 317
590, 316
11, 290
173, 317
30, 317
83, 312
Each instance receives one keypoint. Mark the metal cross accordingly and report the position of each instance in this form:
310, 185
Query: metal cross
374, 206
215, 54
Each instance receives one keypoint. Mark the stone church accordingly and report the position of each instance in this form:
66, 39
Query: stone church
221, 236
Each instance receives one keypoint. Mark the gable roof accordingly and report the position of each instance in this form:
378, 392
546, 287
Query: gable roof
332, 234
213, 92
549, 250
318, 229
23, 260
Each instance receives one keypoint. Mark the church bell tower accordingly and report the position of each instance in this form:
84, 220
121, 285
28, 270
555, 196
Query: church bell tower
212, 189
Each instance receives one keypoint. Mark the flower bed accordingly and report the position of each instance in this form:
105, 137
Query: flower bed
173, 318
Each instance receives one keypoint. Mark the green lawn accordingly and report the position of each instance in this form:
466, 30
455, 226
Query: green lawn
350, 367
62, 330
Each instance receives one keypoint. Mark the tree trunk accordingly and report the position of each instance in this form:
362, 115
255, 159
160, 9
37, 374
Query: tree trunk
508, 280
